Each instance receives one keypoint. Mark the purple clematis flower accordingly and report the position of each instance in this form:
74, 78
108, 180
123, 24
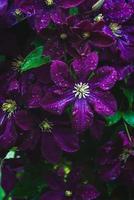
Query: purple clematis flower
69, 187
87, 92
54, 135
93, 33
45, 11
119, 14
116, 159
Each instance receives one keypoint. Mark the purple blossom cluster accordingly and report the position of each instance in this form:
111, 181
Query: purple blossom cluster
66, 99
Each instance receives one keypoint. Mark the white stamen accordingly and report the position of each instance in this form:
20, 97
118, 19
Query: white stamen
81, 90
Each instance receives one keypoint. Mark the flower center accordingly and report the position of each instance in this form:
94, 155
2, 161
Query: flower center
46, 126
81, 90
99, 18
17, 63
125, 155
68, 193
9, 107
116, 29
17, 12
63, 36
86, 35
49, 2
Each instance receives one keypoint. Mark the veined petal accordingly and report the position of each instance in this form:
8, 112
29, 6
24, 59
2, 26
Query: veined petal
55, 104
84, 65
66, 139
105, 78
104, 103
60, 74
82, 115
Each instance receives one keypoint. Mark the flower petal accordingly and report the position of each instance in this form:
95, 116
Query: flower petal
105, 78
100, 39
84, 65
50, 149
23, 120
55, 104
60, 74
66, 139
52, 196
104, 103
89, 192
8, 136
70, 3
42, 20
82, 115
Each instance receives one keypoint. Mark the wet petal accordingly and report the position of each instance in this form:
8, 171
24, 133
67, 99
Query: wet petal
60, 74
50, 149
84, 65
56, 105
57, 16
118, 11
104, 103
89, 192
42, 20
105, 78
82, 115
66, 139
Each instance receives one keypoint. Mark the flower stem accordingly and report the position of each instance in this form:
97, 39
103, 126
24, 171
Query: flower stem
127, 131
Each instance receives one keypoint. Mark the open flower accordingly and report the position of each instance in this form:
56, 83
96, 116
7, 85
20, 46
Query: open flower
54, 135
121, 28
87, 92
69, 187
116, 159
45, 11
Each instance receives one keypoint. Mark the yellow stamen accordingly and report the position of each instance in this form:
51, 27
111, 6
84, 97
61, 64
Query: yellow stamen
49, 2
9, 107
46, 126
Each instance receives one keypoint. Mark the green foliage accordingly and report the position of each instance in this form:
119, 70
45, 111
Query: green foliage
129, 93
32, 182
2, 193
2, 58
34, 60
129, 118
73, 11
111, 120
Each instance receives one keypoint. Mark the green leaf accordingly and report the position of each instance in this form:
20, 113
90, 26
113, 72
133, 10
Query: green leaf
2, 193
111, 120
129, 93
11, 154
32, 182
129, 117
35, 59
2, 58
73, 11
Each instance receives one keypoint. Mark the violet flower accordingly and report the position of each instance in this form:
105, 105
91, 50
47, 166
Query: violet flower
69, 187
44, 12
53, 135
118, 14
88, 92
116, 159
